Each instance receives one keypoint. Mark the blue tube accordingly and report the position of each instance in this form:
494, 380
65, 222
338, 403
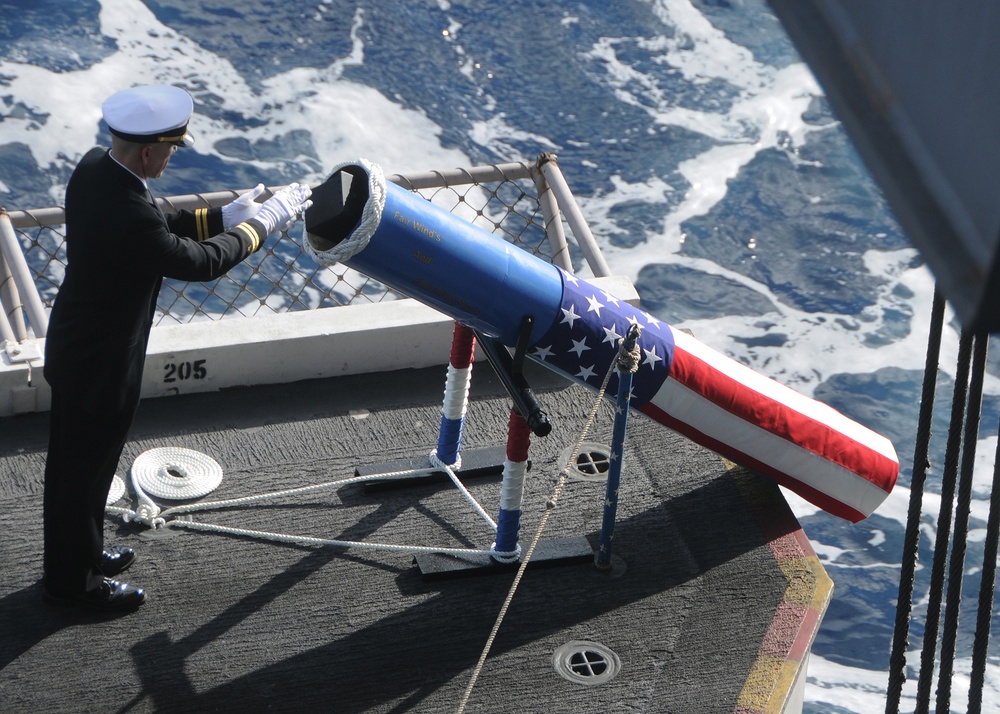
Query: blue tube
508, 531
485, 283
478, 279
449, 440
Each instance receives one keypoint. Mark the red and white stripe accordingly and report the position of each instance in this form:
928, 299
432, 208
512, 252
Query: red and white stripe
832, 461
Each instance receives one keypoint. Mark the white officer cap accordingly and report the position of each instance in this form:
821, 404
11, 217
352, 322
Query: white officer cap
150, 114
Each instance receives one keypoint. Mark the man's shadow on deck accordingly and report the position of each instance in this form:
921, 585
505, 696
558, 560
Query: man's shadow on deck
27, 620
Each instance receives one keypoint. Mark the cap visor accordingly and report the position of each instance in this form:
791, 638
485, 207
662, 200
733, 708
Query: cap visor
187, 141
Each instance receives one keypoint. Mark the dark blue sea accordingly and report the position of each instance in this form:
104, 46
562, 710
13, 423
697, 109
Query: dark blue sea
699, 146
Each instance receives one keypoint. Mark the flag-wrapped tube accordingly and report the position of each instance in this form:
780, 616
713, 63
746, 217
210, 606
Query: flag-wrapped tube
423, 251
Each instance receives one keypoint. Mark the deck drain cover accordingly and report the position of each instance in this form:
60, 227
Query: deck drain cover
591, 464
589, 663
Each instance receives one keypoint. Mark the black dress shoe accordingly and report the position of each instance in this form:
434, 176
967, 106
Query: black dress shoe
115, 559
112, 595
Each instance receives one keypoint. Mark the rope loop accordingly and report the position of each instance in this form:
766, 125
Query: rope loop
506, 557
175, 473
437, 463
145, 513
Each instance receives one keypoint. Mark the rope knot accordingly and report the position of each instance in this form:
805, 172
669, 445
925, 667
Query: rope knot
629, 353
507, 557
436, 462
146, 512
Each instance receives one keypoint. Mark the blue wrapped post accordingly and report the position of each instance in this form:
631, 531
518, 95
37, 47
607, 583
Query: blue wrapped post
627, 362
456, 394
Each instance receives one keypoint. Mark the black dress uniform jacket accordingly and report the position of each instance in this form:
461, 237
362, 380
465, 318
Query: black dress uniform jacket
119, 247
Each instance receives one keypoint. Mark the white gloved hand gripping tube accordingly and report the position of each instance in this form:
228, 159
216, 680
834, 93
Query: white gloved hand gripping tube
279, 210
243, 208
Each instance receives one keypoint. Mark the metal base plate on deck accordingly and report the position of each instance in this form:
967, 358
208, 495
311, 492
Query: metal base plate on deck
548, 553
486, 461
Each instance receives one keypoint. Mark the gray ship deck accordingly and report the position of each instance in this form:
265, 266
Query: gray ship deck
711, 607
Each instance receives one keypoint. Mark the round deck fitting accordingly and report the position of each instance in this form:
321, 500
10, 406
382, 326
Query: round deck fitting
591, 464
587, 663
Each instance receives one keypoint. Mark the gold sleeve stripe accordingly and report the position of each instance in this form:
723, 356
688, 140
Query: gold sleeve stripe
201, 222
247, 230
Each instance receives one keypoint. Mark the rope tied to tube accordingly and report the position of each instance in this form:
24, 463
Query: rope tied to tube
629, 354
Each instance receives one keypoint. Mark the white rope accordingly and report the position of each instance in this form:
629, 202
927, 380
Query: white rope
196, 470
215, 505
176, 473
309, 540
462, 489
371, 216
150, 514
116, 491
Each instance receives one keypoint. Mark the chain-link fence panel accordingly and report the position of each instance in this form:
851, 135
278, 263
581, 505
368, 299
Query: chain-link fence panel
281, 277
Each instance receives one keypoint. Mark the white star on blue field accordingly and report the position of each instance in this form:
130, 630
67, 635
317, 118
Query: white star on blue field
583, 339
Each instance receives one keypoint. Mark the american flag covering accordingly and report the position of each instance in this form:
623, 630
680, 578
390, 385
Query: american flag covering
583, 340
807, 446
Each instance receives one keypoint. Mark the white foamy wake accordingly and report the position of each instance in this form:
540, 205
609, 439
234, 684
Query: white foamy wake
766, 114
346, 120
863, 690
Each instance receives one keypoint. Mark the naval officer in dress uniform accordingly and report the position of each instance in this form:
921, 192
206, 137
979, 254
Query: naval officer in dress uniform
119, 247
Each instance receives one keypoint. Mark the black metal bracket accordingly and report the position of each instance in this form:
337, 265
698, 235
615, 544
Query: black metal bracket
510, 370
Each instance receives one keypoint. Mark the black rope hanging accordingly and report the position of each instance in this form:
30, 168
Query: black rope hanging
911, 542
948, 479
960, 531
947, 569
984, 614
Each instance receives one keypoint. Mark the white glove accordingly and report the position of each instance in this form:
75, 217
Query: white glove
281, 208
243, 208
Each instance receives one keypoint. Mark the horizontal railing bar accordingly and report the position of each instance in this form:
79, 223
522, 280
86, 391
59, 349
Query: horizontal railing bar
56, 216
459, 177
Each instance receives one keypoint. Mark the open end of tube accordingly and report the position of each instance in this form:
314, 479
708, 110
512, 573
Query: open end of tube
346, 212
338, 204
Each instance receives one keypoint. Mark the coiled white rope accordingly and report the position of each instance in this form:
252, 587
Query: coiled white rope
175, 473
116, 491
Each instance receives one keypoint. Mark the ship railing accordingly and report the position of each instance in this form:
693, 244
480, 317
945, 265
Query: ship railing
525, 203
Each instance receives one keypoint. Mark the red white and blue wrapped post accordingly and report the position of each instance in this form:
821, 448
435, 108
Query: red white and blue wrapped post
506, 548
456, 395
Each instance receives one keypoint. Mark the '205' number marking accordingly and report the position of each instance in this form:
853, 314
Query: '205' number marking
184, 370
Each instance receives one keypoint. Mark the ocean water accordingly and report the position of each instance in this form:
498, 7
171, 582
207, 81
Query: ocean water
699, 146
